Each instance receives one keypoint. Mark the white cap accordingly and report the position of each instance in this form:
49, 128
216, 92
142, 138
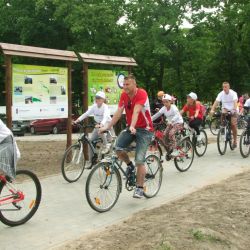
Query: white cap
193, 95
167, 97
100, 94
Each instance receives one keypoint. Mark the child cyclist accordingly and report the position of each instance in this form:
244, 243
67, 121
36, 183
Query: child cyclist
175, 123
193, 108
102, 117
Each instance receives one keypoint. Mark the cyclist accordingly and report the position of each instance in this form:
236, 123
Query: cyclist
228, 98
194, 112
157, 104
135, 102
102, 117
175, 123
9, 152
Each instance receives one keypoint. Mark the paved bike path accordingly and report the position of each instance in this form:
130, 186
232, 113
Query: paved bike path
64, 213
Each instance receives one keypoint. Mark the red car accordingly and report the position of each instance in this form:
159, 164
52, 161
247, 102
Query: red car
53, 126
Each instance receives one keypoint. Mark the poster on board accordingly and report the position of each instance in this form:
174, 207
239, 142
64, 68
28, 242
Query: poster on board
108, 81
39, 92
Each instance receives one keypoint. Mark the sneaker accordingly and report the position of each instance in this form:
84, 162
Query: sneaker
129, 171
175, 153
88, 165
138, 193
106, 149
234, 146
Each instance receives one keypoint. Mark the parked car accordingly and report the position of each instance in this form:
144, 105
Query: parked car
18, 127
53, 126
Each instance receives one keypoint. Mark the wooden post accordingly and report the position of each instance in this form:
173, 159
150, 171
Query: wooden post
69, 122
85, 102
8, 89
129, 69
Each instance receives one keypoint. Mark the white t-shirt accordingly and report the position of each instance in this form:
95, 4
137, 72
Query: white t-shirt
173, 115
227, 100
101, 114
4, 131
247, 103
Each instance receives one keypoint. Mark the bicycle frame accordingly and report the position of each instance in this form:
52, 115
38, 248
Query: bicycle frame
227, 127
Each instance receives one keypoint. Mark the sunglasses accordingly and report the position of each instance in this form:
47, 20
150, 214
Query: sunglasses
129, 105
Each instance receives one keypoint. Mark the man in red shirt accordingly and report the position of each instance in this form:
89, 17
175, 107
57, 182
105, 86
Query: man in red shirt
136, 105
194, 112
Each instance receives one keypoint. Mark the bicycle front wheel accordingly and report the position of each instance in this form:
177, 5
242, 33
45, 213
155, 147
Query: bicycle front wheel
153, 178
103, 187
200, 147
73, 163
244, 144
186, 155
22, 198
221, 141
214, 126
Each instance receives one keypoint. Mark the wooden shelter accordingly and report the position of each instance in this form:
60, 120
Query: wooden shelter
10, 50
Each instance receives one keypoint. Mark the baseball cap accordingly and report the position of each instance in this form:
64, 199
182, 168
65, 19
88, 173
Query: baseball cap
192, 95
100, 94
167, 97
160, 93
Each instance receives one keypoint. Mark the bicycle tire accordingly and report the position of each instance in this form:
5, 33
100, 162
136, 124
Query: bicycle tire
196, 145
151, 175
93, 201
221, 150
36, 202
63, 165
214, 125
242, 141
178, 159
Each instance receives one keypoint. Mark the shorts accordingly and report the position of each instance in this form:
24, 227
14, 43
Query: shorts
142, 139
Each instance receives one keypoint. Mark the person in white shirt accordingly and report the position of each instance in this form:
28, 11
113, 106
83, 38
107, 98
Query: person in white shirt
229, 99
102, 117
175, 123
9, 152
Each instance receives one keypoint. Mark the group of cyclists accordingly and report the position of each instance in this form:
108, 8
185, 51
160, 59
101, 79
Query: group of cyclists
134, 102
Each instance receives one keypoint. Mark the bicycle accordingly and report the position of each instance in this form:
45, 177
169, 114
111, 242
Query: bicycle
104, 182
184, 146
224, 136
19, 197
245, 139
73, 162
200, 146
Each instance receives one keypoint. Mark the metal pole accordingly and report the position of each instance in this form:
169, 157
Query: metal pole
8, 88
69, 122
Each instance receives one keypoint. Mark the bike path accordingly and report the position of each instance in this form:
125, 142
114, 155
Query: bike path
64, 213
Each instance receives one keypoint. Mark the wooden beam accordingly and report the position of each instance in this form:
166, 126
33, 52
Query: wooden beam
69, 120
85, 103
8, 89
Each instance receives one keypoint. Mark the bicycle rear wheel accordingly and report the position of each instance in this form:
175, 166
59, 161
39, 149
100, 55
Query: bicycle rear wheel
186, 156
221, 141
73, 163
103, 187
244, 144
200, 147
24, 193
214, 125
153, 178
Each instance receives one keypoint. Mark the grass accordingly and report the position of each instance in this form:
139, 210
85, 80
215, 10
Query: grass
201, 236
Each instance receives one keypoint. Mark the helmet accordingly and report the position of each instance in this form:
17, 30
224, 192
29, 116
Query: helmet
160, 93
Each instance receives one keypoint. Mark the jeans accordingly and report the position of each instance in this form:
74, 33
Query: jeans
142, 138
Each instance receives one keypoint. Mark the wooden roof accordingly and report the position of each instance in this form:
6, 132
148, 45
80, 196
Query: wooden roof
29, 51
104, 59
